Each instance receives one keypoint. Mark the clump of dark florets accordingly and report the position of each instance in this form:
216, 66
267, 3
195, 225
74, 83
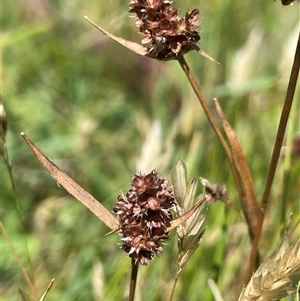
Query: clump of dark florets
166, 33
144, 215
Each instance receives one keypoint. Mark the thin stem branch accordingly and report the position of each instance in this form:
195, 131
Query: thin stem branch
282, 125
224, 143
276, 152
4, 155
204, 105
175, 283
133, 278
17, 258
206, 110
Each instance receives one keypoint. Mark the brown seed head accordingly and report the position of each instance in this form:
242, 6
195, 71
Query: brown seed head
144, 214
214, 192
166, 34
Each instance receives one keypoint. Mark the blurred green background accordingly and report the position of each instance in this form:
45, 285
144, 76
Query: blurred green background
101, 113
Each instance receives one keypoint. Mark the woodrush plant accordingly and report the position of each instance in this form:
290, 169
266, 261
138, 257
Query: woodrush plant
144, 216
168, 36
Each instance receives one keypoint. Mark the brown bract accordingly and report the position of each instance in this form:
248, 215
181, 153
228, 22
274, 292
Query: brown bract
166, 34
144, 215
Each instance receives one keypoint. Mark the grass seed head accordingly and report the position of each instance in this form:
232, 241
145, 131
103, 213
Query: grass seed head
179, 181
272, 280
190, 232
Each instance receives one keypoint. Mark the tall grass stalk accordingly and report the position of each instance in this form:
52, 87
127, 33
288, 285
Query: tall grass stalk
276, 152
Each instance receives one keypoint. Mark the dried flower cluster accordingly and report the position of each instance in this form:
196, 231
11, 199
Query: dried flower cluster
144, 214
214, 192
166, 33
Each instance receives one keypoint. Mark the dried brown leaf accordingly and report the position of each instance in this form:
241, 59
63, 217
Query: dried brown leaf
203, 53
176, 222
138, 48
74, 189
47, 290
135, 47
193, 225
250, 202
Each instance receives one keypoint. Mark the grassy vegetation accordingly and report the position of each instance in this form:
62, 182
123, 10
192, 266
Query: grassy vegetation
101, 112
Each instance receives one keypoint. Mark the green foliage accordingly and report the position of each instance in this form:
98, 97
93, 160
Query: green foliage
90, 105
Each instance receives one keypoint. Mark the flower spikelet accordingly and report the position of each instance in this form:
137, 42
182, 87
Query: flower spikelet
144, 215
166, 34
191, 231
272, 280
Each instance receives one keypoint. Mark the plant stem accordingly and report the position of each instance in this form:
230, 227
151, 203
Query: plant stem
175, 283
206, 110
282, 125
237, 179
133, 278
276, 152
16, 203
203, 103
17, 258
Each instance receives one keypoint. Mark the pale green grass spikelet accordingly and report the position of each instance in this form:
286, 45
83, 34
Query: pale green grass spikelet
189, 232
272, 280
179, 181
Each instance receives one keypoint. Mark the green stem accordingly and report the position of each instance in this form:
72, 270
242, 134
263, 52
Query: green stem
17, 258
15, 197
175, 283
